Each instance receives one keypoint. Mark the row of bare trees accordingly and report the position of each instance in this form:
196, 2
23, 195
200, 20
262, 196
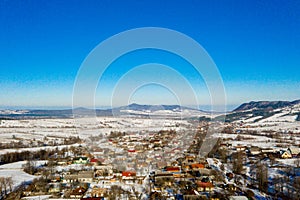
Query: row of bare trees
26, 155
6, 186
19, 143
36, 155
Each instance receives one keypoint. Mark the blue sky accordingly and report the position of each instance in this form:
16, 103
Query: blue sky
255, 45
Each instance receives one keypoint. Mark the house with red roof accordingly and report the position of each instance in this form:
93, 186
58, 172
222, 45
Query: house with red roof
173, 169
204, 186
128, 174
129, 177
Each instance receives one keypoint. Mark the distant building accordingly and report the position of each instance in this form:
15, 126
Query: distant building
81, 160
285, 154
255, 150
294, 151
98, 192
238, 198
205, 186
70, 178
128, 177
128, 174
173, 169
86, 176
78, 192
197, 166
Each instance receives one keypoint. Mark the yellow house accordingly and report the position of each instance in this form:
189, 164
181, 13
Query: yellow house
286, 155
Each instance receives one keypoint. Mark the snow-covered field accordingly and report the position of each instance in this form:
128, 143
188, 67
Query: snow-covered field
18, 176
39, 128
178, 113
15, 170
256, 140
26, 131
42, 197
291, 162
285, 119
58, 129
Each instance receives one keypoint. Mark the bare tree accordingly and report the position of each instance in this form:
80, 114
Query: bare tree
297, 162
3, 183
10, 183
296, 185
30, 166
46, 173
262, 177
238, 162
115, 192
1, 186
223, 154
135, 193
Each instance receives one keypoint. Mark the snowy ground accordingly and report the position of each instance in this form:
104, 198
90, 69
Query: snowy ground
18, 176
15, 170
249, 140
291, 162
42, 197
10, 130
284, 120
58, 129
26, 131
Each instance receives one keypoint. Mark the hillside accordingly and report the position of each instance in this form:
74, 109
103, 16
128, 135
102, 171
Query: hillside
265, 105
266, 111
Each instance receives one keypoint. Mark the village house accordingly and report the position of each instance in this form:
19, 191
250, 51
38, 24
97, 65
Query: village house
268, 150
190, 159
294, 151
85, 176
173, 169
103, 170
94, 161
271, 153
81, 160
204, 186
231, 187
70, 178
98, 192
238, 198
99, 153
254, 150
229, 176
128, 177
54, 188
204, 171
132, 152
196, 166
29, 190
240, 148
285, 154
78, 192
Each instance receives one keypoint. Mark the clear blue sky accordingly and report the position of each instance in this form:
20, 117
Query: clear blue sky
255, 44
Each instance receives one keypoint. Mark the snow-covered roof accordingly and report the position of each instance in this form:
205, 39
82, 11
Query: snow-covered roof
294, 150
238, 198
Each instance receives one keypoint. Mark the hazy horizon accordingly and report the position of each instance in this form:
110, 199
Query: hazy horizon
200, 107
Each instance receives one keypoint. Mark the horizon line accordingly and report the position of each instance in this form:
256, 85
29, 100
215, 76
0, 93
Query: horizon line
103, 107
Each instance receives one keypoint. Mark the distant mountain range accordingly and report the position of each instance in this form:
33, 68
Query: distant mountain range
139, 107
256, 109
132, 109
